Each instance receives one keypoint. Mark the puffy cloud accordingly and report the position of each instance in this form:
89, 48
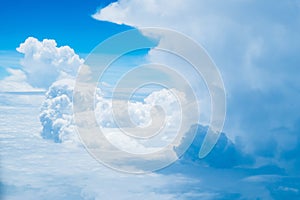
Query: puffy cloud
58, 124
56, 112
140, 112
264, 54
44, 62
236, 41
225, 153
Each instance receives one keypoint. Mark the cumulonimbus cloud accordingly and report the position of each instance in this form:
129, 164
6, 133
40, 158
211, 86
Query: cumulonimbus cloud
262, 52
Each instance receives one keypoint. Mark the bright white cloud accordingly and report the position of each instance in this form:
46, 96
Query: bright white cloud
44, 62
58, 124
56, 112
140, 112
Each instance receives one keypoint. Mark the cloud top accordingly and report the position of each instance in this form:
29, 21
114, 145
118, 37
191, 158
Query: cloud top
45, 59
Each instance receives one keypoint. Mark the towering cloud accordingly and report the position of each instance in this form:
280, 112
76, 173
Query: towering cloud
262, 99
44, 62
56, 112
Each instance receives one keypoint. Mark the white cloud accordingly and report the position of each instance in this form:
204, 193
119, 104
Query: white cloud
201, 20
14, 90
44, 62
56, 113
16, 82
58, 124
34, 168
255, 44
140, 112
229, 30
125, 12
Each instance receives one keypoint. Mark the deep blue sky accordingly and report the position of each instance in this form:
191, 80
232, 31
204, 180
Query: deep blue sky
69, 22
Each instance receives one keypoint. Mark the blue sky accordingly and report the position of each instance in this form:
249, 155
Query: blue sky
255, 45
67, 22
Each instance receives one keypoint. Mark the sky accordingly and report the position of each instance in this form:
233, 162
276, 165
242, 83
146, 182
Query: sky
66, 22
254, 45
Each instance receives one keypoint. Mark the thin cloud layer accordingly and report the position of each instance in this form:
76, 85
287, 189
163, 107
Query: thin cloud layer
16, 82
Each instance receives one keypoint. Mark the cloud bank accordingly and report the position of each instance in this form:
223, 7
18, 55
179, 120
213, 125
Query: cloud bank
258, 41
38, 173
58, 124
